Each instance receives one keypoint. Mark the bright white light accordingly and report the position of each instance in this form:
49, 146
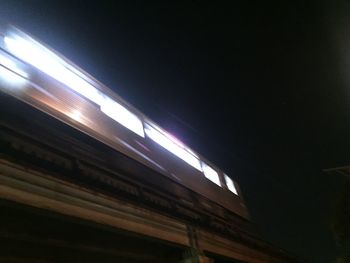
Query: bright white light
11, 73
172, 145
211, 174
40, 57
120, 114
76, 115
230, 185
11, 78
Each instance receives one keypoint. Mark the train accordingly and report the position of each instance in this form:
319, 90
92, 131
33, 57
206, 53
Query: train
35, 74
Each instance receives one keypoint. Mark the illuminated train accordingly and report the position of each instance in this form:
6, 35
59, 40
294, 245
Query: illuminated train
38, 76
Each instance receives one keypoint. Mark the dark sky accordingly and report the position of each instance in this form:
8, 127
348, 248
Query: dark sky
262, 89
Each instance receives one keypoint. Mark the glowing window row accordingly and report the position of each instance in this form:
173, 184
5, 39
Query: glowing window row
48, 62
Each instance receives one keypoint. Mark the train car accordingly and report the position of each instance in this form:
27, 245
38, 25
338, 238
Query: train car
40, 77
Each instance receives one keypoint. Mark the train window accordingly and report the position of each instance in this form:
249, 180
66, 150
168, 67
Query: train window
211, 174
48, 62
230, 184
120, 114
172, 145
10, 73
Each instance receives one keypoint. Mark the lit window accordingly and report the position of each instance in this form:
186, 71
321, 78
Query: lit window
120, 114
211, 174
230, 185
11, 73
172, 145
40, 57
48, 62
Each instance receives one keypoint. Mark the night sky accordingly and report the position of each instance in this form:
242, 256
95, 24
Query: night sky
262, 89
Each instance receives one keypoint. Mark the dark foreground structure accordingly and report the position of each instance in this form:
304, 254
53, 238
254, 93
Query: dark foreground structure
86, 177
341, 217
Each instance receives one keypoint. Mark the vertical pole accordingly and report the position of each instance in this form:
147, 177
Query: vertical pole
194, 254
